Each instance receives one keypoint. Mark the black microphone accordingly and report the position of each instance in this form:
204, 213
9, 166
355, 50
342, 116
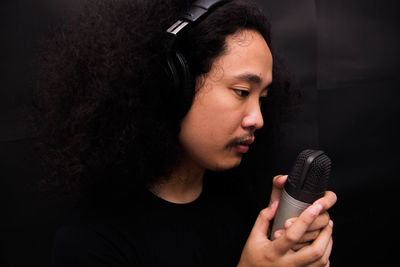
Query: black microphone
307, 181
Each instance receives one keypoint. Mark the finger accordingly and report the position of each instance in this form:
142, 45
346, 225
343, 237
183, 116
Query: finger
299, 246
277, 187
263, 220
294, 233
279, 233
324, 261
327, 201
325, 258
319, 249
309, 237
320, 222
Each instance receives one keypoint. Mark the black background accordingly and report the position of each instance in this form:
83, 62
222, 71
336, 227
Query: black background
344, 55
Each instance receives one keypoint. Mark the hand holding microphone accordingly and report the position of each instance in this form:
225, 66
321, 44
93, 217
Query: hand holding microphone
306, 183
311, 230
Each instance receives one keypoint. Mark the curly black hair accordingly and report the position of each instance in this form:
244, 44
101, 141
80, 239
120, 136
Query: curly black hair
103, 107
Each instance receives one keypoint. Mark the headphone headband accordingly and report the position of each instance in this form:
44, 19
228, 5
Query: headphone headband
195, 12
199, 8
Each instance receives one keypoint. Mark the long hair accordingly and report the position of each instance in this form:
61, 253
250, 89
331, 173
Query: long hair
102, 106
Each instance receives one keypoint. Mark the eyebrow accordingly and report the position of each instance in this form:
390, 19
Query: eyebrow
250, 78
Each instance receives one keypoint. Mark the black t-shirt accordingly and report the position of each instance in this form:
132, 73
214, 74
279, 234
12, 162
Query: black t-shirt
149, 231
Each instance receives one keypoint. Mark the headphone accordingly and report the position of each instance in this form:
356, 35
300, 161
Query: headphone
177, 66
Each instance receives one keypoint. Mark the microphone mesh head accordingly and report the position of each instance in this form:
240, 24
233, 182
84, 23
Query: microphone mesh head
298, 166
310, 173
318, 174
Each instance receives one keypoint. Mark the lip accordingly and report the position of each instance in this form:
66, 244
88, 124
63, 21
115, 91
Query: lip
242, 148
247, 142
244, 145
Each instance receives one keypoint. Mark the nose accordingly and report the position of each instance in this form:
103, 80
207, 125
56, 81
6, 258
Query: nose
253, 118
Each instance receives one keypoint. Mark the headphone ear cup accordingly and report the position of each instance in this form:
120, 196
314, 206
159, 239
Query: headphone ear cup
173, 73
186, 87
181, 77
186, 80
179, 72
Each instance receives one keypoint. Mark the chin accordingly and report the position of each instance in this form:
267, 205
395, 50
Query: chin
226, 165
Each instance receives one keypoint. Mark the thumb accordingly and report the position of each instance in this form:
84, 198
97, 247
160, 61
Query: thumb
263, 220
278, 184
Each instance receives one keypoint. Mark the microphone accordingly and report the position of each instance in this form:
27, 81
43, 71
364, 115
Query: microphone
307, 181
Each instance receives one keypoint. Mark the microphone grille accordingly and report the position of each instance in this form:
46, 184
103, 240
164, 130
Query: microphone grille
309, 173
318, 174
299, 165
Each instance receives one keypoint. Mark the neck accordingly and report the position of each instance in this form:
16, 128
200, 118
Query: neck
184, 185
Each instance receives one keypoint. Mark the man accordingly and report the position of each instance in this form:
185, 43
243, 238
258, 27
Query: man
145, 150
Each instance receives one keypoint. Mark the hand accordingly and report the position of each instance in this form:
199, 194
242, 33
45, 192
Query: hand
316, 227
320, 222
295, 246
260, 251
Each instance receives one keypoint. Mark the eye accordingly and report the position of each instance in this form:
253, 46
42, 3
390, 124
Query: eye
241, 93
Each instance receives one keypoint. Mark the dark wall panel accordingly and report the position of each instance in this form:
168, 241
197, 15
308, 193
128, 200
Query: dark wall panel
358, 92
294, 39
354, 112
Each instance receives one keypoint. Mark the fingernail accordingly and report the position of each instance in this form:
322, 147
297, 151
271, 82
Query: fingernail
330, 223
319, 207
315, 209
277, 234
288, 224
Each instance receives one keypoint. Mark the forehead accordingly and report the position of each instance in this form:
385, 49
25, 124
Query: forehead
246, 52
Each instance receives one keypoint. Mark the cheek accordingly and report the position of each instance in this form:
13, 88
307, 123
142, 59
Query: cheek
199, 132
205, 132
210, 123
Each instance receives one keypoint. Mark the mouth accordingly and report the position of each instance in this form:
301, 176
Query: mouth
242, 145
247, 141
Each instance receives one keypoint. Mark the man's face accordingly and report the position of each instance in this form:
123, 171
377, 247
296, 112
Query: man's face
220, 125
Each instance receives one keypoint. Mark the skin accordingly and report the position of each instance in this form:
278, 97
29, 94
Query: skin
224, 114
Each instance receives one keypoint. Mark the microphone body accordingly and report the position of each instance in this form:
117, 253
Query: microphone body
306, 182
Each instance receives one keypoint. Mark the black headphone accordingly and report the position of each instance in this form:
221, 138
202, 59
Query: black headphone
177, 66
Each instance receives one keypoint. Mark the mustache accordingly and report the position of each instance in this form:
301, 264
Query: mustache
239, 140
